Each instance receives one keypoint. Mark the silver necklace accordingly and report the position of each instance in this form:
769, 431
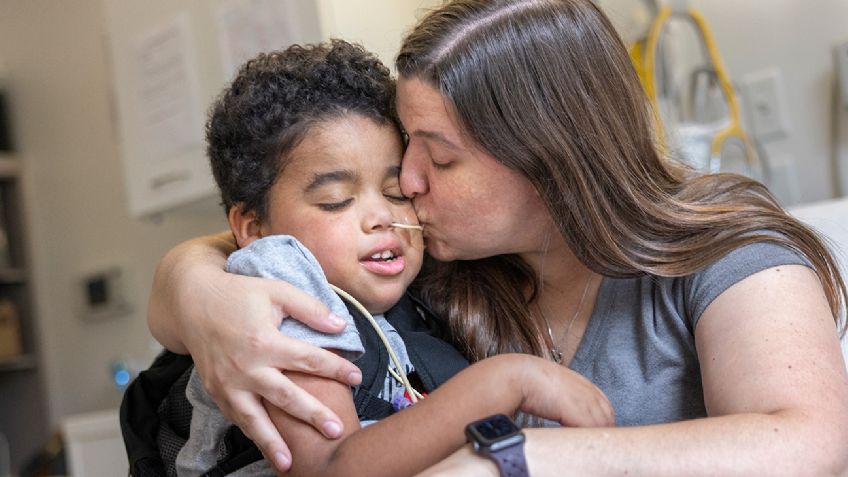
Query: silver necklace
556, 353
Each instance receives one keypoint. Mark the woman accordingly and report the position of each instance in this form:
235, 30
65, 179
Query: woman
702, 310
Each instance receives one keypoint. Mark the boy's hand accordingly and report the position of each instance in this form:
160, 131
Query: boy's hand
555, 392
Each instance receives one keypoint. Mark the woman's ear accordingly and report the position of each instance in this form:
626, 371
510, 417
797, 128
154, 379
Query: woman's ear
245, 225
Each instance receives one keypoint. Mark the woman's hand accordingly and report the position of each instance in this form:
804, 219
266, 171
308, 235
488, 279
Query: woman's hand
229, 324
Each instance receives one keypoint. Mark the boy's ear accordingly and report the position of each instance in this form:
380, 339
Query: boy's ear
245, 225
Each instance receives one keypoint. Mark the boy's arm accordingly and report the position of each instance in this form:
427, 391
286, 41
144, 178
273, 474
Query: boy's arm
425, 433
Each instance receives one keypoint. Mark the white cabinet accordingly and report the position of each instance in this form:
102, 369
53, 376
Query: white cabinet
170, 59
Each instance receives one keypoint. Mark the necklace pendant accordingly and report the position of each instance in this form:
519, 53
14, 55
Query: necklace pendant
556, 355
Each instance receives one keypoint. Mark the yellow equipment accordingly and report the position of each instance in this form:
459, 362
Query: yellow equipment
647, 53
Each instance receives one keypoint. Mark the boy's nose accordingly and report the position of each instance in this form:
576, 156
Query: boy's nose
378, 216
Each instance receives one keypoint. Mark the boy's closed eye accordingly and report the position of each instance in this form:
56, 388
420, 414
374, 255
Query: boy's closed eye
334, 206
394, 194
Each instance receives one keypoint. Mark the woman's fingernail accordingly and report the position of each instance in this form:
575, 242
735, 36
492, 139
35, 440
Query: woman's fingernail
336, 321
281, 461
354, 378
332, 429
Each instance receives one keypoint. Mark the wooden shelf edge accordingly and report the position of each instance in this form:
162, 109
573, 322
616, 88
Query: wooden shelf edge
12, 276
9, 167
23, 362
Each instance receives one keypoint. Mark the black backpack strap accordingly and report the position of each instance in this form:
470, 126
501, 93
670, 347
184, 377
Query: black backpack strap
155, 417
373, 365
369, 406
435, 360
240, 452
174, 422
139, 414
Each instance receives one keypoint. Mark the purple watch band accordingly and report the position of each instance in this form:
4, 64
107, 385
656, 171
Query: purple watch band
510, 461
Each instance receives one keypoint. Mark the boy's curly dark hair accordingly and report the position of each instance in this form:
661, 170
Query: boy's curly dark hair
275, 99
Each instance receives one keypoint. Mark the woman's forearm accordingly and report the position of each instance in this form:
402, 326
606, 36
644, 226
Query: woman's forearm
184, 267
784, 443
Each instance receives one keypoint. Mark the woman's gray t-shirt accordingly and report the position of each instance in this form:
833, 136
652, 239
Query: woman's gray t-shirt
639, 345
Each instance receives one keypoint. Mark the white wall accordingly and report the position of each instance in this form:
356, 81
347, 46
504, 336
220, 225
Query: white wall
797, 38
60, 93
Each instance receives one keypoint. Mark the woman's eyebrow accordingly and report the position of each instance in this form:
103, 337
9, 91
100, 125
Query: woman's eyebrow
324, 178
436, 136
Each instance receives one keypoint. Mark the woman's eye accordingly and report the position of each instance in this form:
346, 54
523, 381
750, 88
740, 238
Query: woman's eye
441, 162
334, 206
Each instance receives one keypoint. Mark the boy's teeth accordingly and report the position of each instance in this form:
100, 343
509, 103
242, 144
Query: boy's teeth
384, 255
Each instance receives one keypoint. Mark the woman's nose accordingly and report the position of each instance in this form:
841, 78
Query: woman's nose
413, 178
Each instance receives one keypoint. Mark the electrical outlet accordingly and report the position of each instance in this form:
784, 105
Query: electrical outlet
840, 64
764, 98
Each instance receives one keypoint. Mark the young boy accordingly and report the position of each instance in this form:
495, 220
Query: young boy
306, 150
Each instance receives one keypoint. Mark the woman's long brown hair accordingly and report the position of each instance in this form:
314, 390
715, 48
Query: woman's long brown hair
547, 88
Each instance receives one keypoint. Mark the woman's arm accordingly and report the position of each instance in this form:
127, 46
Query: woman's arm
409, 441
229, 325
775, 388
170, 298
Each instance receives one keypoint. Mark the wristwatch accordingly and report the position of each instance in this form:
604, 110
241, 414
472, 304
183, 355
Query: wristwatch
499, 439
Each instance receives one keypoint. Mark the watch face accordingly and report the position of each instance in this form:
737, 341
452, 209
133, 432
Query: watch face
492, 430
496, 427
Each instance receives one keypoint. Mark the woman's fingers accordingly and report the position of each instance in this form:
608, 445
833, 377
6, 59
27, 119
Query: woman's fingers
280, 392
245, 410
241, 402
294, 302
289, 354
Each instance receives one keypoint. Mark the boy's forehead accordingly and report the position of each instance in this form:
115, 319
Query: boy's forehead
345, 149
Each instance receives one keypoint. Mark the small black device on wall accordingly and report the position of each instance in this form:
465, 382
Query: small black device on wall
104, 295
5, 126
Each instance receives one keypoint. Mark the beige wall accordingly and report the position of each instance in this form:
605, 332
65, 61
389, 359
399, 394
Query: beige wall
377, 24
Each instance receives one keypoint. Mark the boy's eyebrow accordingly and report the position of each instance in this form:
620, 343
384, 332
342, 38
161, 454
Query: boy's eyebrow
327, 177
393, 171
